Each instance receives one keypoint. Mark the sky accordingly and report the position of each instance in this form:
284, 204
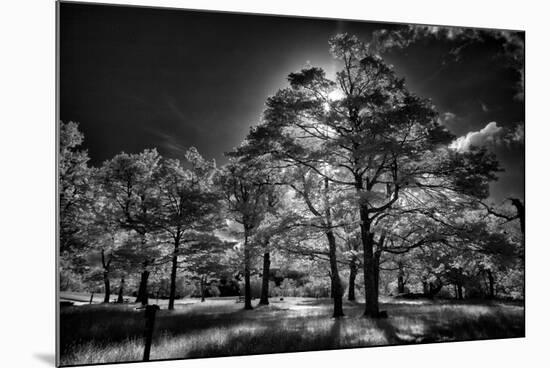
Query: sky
137, 78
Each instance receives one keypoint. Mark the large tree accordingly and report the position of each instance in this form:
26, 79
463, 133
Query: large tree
382, 142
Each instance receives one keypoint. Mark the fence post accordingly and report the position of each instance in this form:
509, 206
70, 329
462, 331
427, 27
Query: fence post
150, 311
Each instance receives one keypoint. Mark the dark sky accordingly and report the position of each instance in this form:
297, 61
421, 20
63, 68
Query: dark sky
138, 78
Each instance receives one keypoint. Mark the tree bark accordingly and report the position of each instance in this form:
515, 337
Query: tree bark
367, 238
264, 298
400, 278
425, 287
247, 291
520, 213
203, 289
173, 274
107, 285
491, 284
336, 284
120, 298
106, 281
351, 283
376, 267
143, 297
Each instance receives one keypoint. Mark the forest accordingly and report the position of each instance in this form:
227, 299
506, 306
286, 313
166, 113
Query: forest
348, 216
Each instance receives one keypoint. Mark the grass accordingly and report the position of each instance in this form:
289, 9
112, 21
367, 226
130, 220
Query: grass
220, 327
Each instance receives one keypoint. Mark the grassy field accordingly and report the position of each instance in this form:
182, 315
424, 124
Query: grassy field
219, 327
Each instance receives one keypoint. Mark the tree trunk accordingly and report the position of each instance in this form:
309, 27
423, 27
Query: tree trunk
400, 278
203, 289
491, 284
425, 288
107, 284
331, 294
106, 281
367, 238
142, 297
434, 288
247, 291
351, 283
120, 298
459, 295
376, 269
92, 297
173, 275
264, 298
336, 285
520, 208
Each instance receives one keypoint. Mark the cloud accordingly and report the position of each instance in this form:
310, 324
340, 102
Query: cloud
170, 143
491, 134
517, 135
484, 107
451, 121
446, 118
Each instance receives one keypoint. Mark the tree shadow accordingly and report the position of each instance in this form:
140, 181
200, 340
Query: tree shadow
493, 326
315, 302
271, 329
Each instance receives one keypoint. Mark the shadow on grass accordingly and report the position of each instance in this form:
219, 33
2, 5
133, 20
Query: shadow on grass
102, 333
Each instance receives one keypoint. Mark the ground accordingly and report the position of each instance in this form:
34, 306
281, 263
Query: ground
100, 333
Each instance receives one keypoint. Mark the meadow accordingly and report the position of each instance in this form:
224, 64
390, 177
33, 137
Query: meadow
101, 333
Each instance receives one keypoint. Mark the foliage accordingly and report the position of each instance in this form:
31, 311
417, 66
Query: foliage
352, 175
74, 189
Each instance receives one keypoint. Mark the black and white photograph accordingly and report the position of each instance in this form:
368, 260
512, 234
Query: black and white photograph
233, 183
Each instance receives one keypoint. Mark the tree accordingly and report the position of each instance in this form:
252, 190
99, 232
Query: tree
463, 248
507, 214
103, 232
206, 260
128, 257
382, 142
74, 190
128, 181
246, 193
493, 248
319, 201
350, 236
267, 239
188, 205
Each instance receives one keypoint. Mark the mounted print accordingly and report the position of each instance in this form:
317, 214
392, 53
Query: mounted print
236, 184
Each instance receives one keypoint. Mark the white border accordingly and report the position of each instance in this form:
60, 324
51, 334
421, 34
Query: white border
27, 166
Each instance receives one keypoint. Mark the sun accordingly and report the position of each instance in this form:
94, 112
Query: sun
336, 95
